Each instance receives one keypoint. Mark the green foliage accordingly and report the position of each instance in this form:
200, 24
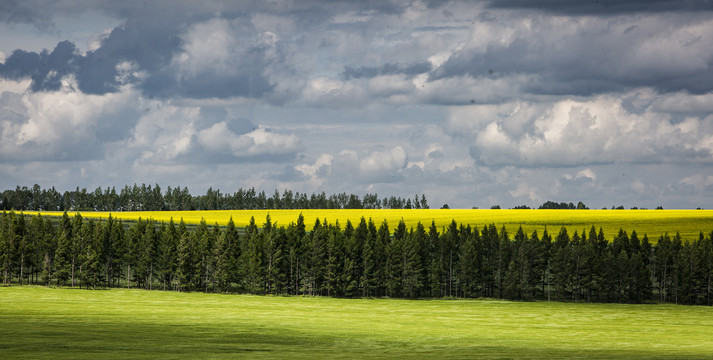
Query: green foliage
357, 261
151, 198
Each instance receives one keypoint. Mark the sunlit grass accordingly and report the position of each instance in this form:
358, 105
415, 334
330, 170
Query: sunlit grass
651, 222
38, 322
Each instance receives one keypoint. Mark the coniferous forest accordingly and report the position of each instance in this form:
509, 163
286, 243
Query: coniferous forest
356, 260
152, 198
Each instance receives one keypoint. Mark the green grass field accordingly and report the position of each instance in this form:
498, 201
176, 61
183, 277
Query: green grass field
38, 322
651, 222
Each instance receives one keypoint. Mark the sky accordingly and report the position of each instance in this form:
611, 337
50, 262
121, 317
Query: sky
472, 103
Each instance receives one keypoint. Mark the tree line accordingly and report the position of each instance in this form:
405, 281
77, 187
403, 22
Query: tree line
148, 198
362, 260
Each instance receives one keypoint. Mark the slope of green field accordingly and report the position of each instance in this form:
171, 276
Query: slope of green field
42, 323
651, 222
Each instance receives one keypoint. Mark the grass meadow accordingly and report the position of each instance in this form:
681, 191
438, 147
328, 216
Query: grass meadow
44, 323
651, 222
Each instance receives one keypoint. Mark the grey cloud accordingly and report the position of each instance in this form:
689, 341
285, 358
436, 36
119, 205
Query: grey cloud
62, 125
357, 72
150, 48
45, 69
290, 174
602, 7
586, 58
208, 84
24, 11
147, 46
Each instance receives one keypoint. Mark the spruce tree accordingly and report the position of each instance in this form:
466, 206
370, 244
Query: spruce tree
412, 280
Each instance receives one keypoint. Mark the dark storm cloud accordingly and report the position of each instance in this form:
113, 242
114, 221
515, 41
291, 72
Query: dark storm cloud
356, 72
604, 7
149, 47
21, 11
227, 93
152, 36
45, 69
592, 57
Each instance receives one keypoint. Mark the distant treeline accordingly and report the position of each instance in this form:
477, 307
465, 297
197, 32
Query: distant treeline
148, 198
563, 205
366, 260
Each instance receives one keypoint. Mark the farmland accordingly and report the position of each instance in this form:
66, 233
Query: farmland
652, 222
38, 322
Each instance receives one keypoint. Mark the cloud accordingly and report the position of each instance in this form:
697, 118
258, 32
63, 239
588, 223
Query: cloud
218, 60
383, 166
313, 174
330, 92
524, 190
569, 55
603, 7
147, 45
471, 103
63, 125
699, 182
575, 133
356, 72
45, 69
173, 136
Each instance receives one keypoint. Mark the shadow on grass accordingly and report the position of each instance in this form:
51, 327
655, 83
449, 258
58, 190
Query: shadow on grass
62, 338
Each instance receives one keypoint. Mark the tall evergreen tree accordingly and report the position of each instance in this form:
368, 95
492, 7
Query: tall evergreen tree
92, 253
227, 252
186, 270
411, 253
169, 255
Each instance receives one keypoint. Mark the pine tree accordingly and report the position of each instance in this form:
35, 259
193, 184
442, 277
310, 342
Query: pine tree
227, 252
251, 264
561, 258
370, 260
468, 266
412, 281
49, 246
91, 262
354, 247
273, 258
7, 244
132, 250
148, 253
23, 249
169, 255
335, 261
186, 267
111, 240
62, 259
394, 251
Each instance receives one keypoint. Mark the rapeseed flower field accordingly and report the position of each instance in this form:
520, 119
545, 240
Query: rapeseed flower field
654, 223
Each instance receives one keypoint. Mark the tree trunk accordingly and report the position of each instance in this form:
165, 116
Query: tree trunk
22, 267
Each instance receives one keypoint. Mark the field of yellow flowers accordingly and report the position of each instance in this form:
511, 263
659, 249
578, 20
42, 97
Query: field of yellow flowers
689, 223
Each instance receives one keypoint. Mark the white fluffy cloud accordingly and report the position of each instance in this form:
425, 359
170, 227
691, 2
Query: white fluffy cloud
62, 125
468, 102
383, 166
574, 132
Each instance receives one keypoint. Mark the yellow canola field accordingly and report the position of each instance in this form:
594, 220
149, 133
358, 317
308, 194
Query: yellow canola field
652, 222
